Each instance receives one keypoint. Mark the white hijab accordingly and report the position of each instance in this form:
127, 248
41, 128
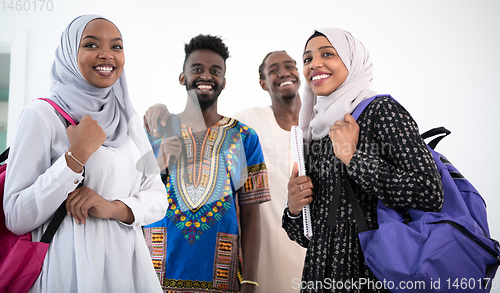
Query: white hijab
110, 107
319, 113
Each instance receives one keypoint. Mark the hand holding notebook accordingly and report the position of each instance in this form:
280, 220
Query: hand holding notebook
297, 147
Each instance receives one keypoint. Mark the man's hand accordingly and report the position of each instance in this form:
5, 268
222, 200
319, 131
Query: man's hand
155, 112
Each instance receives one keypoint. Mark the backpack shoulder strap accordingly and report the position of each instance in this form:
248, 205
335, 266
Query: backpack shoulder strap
361, 106
61, 111
57, 219
443, 132
4, 155
61, 211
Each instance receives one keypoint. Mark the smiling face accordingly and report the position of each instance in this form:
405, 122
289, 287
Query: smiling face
204, 72
281, 76
100, 55
324, 71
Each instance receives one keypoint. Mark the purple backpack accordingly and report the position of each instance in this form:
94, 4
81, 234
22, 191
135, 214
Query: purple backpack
446, 251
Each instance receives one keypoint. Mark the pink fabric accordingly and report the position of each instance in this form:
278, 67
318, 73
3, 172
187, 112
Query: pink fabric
22, 263
61, 111
20, 259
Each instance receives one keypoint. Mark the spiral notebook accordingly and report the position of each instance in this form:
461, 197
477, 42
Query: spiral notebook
297, 146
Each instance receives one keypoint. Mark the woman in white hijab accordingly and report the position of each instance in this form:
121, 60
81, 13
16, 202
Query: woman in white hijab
99, 246
384, 156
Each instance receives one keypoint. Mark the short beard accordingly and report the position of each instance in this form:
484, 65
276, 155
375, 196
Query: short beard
205, 104
287, 98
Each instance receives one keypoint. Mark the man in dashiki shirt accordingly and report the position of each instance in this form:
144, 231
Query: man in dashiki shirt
216, 181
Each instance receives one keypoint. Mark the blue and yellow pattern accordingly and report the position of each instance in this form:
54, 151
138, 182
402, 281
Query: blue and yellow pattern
202, 194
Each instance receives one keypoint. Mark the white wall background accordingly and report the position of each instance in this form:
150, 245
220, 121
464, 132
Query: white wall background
439, 58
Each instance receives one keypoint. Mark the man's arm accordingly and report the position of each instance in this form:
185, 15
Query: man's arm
250, 243
250, 195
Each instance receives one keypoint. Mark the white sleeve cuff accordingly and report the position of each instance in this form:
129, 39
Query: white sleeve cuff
136, 211
67, 177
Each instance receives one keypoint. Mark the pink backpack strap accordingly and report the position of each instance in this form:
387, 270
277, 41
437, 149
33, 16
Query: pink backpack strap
61, 111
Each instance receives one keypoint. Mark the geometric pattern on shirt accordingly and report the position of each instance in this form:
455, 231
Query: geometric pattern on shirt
194, 224
226, 262
256, 186
156, 239
221, 150
203, 165
186, 286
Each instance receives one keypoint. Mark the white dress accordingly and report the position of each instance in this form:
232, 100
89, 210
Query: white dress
281, 260
102, 255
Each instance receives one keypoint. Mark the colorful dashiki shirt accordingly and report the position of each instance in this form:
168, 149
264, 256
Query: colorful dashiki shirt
195, 248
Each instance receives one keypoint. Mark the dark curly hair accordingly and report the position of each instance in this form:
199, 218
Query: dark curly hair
206, 42
262, 76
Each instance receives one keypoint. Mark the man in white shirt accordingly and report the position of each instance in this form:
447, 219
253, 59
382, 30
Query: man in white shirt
281, 260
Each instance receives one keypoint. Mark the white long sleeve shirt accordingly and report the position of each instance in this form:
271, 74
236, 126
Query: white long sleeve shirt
102, 255
278, 254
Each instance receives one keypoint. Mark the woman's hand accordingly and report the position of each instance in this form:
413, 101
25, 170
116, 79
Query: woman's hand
300, 191
155, 112
344, 136
170, 146
84, 202
84, 140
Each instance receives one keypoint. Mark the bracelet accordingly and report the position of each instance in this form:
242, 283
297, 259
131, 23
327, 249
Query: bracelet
291, 216
250, 282
71, 155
